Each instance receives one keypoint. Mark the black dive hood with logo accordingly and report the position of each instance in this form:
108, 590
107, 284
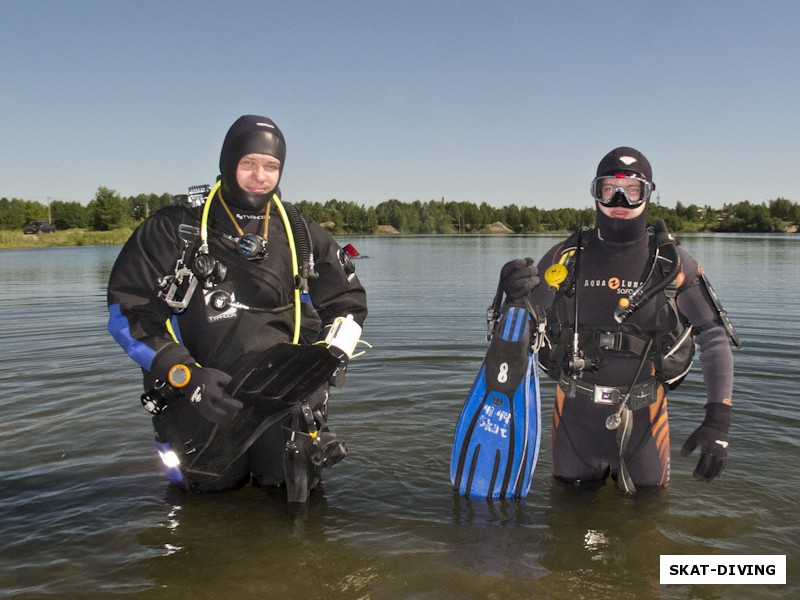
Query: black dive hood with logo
249, 134
628, 161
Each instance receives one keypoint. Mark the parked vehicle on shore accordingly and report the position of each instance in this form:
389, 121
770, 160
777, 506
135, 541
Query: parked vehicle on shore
38, 226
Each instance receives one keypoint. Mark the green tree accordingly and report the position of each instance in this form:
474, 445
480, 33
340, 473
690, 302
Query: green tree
372, 220
16, 212
356, 218
512, 216
672, 219
440, 219
486, 216
783, 209
687, 213
12, 213
414, 217
456, 215
748, 217
531, 219
69, 215
393, 213
311, 209
464, 216
107, 210
142, 206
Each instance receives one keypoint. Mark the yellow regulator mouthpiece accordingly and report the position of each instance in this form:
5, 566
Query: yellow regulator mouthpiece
555, 275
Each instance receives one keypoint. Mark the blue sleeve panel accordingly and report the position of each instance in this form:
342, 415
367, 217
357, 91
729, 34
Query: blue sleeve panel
120, 330
176, 329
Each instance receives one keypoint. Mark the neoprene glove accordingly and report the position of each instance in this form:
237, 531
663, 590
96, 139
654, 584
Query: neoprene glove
518, 277
206, 391
712, 437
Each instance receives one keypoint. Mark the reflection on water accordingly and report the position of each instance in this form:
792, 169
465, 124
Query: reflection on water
85, 512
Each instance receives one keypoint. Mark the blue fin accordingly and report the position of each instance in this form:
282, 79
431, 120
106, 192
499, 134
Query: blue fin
496, 443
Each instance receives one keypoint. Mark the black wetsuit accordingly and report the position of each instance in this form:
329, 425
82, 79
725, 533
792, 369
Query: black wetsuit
140, 320
583, 448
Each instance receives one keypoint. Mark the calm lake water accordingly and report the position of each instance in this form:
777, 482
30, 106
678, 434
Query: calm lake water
86, 513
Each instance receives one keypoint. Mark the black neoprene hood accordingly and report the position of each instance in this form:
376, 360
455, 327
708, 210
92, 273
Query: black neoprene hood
630, 162
625, 160
249, 134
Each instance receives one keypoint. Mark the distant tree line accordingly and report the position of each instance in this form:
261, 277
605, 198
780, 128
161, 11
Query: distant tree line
108, 211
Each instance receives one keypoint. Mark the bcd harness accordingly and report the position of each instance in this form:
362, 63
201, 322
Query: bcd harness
670, 345
569, 351
304, 453
195, 264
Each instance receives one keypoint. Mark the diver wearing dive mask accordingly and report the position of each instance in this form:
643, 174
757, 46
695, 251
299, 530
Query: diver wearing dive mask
614, 367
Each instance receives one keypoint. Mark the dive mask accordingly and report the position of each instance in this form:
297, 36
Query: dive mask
621, 190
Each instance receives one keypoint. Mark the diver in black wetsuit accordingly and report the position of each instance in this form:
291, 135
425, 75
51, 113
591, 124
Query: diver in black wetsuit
234, 293
613, 373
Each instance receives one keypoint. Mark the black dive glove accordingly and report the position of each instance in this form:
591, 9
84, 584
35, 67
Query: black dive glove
518, 277
205, 388
206, 391
712, 436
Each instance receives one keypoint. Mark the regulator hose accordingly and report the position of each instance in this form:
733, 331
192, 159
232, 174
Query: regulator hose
305, 256
667, 247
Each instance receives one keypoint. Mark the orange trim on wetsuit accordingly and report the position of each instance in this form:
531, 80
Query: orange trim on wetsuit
659, 427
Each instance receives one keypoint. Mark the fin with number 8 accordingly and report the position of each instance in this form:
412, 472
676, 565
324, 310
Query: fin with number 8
496, 442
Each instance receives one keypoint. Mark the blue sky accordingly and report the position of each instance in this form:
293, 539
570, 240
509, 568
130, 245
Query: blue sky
502, 102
